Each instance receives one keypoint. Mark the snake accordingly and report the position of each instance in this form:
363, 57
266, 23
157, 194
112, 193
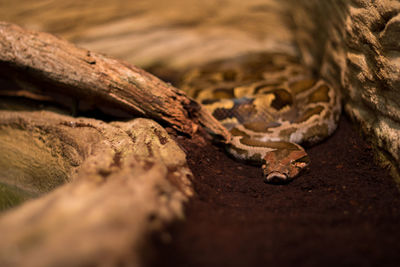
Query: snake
272, 105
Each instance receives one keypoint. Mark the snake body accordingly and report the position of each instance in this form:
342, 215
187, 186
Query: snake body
271, 104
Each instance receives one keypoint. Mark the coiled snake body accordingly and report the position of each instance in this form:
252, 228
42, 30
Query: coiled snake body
270, 103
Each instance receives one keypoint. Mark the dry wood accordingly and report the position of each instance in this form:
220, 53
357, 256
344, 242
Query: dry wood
127, 181
59, 68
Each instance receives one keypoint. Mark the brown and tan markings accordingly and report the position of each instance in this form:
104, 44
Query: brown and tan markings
270, 103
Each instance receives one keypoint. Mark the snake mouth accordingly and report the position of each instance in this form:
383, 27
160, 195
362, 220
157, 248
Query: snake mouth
276, 178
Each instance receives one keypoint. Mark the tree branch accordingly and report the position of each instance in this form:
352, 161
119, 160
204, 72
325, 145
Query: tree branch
58, 68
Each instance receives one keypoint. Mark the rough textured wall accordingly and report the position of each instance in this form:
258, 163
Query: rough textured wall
356, 45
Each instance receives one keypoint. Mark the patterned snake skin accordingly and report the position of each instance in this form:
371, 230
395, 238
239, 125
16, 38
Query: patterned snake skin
270, 103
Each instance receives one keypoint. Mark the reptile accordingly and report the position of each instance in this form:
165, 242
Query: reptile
272, 105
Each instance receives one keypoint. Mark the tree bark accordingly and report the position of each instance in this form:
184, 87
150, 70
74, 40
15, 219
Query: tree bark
124, 183
46, 66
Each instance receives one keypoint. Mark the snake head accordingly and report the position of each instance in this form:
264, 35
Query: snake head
283, 165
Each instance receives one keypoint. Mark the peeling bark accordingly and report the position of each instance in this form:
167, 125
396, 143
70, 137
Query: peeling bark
43, 65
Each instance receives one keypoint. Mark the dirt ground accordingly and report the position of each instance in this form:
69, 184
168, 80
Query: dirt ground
344, 211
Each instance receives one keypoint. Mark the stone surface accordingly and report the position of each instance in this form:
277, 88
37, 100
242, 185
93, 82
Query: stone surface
120, 188
355, 45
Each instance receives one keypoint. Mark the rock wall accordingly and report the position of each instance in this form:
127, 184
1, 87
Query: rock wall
356, 45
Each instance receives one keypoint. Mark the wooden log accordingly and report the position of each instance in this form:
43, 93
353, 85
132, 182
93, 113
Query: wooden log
48, 65
124, 183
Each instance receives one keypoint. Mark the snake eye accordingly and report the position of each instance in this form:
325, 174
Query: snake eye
301, 163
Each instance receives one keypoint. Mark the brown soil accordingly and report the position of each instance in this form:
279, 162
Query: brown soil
344, 211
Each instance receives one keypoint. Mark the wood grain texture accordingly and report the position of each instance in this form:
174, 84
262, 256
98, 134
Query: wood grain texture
59, 67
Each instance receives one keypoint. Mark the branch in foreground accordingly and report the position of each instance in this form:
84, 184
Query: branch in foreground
59, 68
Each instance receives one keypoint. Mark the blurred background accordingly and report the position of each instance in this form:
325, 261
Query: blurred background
174, 33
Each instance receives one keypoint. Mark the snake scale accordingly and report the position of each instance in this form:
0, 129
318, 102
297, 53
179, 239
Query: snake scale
271, 104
